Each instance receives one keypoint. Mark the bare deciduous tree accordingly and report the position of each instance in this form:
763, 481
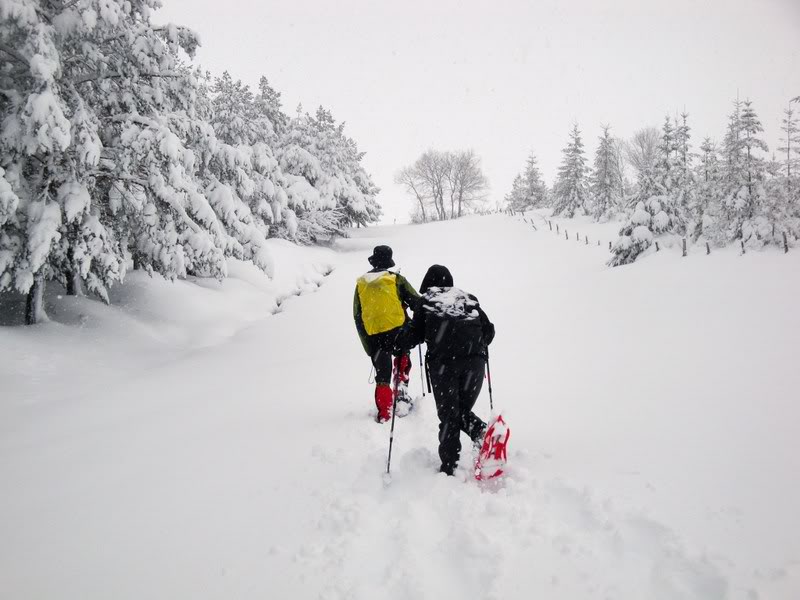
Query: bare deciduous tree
642, 149
409, 179
440, 178
468, 184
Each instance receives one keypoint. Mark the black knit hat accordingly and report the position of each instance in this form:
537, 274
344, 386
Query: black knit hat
437, 276
381, 257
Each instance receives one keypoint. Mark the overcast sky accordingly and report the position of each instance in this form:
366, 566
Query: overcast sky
505, 77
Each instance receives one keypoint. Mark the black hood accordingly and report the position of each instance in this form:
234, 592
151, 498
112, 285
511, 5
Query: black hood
437, 276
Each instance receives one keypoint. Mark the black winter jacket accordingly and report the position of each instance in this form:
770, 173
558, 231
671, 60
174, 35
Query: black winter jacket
452, 324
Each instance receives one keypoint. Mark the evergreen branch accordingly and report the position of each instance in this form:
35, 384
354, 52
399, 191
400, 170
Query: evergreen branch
69, 5
14, 54
133, 118
118, 177
116, 75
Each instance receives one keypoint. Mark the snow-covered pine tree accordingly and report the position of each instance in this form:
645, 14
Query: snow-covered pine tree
357, 197
535, 189
740, 215
318, 150
34, 151
666, 160
646, 221
775, 214
708, 194
790, 162
151, 135
516, 199
607, 182
657, 211
671, 179
684, 188
782, 184
303, 176
311, 187
571, 190
268, 104
78, 74
238, 171
528, 189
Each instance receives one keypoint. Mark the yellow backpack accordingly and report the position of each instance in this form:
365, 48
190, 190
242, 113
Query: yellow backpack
381, 309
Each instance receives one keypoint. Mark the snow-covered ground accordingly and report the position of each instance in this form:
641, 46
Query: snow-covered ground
196, 440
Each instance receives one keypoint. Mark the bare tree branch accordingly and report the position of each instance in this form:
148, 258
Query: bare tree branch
434, 175
641, 150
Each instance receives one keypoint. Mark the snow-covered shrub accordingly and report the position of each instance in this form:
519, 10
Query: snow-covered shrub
650, 218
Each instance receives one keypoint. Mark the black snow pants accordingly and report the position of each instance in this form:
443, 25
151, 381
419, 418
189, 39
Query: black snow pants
381, 350
456, 386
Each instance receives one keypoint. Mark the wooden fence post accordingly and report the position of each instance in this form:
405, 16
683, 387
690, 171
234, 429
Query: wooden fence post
550, 223
566, 234
743, 252
708, 249
785, 243
684, 246
657, 248
587, 240
609, 245
557, 229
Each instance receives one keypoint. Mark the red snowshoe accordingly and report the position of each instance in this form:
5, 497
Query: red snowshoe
404, 401
493, 457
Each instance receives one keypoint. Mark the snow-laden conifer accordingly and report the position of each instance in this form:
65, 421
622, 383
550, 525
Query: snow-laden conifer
571, 189
607, 185
740, 215
657, 210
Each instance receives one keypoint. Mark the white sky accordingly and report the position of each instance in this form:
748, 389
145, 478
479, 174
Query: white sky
504, 77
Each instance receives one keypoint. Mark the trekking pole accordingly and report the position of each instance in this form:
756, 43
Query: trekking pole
391, 431
421, 372
489, 378
428, 376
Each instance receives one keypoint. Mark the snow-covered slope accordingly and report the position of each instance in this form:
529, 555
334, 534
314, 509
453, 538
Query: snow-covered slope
190, 444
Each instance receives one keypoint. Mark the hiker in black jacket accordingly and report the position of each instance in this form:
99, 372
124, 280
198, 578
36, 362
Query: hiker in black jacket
457, 333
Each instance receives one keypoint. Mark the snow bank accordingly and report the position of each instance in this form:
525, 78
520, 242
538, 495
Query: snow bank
150, 323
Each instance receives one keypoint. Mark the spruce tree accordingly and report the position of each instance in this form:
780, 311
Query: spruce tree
684, 188
607, 182
571, 194
528, 189
744, 176
790, 153
517, 199
706, 204
535, 189
268, 103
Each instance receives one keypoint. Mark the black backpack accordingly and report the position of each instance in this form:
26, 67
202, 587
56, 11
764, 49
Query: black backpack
453, 325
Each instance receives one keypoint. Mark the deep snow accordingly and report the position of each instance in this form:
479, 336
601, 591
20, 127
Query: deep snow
195, 440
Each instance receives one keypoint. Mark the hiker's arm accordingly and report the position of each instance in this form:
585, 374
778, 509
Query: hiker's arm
413, 332
487, 326
408, 295
362, 333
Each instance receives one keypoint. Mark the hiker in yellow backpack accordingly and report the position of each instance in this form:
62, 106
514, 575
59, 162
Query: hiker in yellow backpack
379, 310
